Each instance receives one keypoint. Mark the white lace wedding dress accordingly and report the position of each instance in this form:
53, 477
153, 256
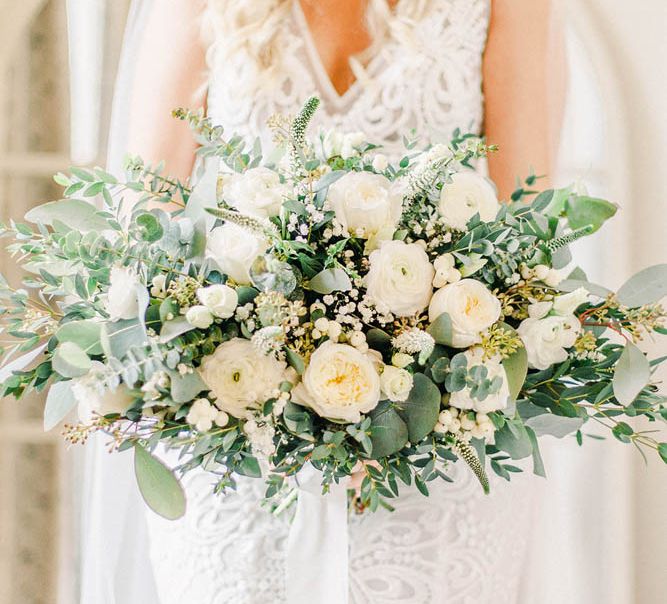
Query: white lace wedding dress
457, 546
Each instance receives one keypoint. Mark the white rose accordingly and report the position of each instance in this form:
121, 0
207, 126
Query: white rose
122, 297
351, 142
234, 249
256, 192
400, 278
466, 195
567, 304
332, 143
339, 383
493, 402
240, 376
444, 271
220, 299
546, 339
471, 307
366, 205
95, 399
395, 383
199, 316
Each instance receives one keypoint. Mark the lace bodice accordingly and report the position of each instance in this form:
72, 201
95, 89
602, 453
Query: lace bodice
455, 547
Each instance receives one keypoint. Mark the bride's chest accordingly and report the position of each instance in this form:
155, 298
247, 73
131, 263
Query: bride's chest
426, 77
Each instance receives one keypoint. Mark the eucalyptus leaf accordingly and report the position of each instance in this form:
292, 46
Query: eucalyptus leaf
70, 361
331, 280
174, 328
646, 287
75, 214
516, 368
295, 361
514, 440
548, 424
582, 211
185, 387
569, 285
118, 336
631, 375
59, 402
420, 410
159, 488
20, 363
389, 433
86, 334
441, 329
538, 463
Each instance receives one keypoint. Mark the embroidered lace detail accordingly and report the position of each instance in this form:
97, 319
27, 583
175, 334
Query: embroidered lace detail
457, 546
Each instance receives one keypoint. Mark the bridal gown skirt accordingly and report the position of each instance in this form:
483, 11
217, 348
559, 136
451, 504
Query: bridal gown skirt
457, 546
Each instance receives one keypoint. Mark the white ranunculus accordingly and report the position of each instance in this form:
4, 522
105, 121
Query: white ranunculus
95, 399
255, 192
471, 307
241, 377
366, 205
400, 278
395, 383
220, 299
122, 297
493, 402
566, 305
466, 195
547, 339
199, 317
339, 383
234, 249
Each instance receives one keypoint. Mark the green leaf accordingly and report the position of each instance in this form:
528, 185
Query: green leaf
185, 387
420, 410
378, 339
173, 329
246, 294
622, 432
330, 280
389, 433
646, 287
321, 452
295, 361
119, 336
583, 211
538, 463
516, 368
439, 370
20, 363
59, 402
441, 329
76, 214
570, 284
662, 451
632, 373
554, 425
70, 361
249, 466
513, 439
160, 489
85, 334
150, 228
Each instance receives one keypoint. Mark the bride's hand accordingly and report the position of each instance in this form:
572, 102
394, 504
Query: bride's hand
358, 475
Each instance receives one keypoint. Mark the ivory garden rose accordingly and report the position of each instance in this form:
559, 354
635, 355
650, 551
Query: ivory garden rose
234, 250
339, 383
471, 307
467, 194
221, 300
256, 192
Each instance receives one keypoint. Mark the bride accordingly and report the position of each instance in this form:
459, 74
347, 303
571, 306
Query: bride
380, 67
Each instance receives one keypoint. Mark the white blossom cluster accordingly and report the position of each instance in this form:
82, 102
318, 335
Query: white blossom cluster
465, 424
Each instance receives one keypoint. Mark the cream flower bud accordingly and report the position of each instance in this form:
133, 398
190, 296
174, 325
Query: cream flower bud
566, 305
357, 338
199, 317
334, 330
220, 299
396, 383
322, 324
159, 284
401, 359
380, 162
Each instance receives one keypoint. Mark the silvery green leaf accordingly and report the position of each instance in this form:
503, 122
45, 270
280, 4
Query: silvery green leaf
538, 463
270, 274
516, 368
514, 440
569, 285
173, 329
554, 425
159, 488
331, 280
75, 214
328, 179
185, 388
420, 410
646, 287
389, 433
441, 329
295, 360
119, 336
582, 211
59, 402
378, 339
631, 375
21, 363
70, 361
85, 334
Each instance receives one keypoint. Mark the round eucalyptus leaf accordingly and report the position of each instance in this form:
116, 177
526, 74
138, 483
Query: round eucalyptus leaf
389, 433
631, 375
441, 329
646, 287
420, 410
85, 334
270, 274
582, 211
160, 489
150, 229
516, 368
70, 361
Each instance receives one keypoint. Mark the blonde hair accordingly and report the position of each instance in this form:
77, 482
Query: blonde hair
255, 30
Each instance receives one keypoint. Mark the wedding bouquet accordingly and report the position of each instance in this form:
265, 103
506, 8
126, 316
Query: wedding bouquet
331, 308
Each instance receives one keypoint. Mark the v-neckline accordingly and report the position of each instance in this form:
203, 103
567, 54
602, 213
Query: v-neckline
315, 58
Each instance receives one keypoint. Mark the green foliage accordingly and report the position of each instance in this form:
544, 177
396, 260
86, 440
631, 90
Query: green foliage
158, 486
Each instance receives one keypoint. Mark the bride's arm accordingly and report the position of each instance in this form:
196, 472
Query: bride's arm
170, 73
523, 85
